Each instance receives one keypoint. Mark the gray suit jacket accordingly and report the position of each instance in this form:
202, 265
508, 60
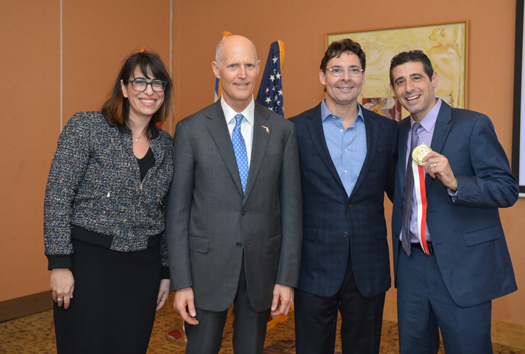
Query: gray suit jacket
209, 223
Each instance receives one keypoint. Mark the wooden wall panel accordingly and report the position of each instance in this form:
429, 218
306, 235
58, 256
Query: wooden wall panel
30, 96
97, 35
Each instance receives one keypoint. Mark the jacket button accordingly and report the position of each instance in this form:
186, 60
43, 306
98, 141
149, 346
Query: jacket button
243, 212
239, 244
400, 206
345, 234
348, 205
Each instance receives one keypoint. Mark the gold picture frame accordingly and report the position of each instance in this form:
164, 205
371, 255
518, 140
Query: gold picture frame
445, 44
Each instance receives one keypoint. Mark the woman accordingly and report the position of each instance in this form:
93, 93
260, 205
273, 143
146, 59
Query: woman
104, 215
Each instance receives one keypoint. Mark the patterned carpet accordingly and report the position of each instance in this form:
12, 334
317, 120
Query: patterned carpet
35, 334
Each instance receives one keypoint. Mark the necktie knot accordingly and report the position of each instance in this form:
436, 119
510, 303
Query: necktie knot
415, 128
238, 119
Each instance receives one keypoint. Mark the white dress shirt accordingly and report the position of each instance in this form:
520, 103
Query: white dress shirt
246, 123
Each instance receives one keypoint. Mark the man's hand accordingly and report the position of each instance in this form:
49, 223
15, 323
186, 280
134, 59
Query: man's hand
184, 304
438, 166
282, 300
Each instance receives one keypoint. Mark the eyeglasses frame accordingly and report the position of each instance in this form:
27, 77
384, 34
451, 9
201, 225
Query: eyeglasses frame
164, 84
360, 71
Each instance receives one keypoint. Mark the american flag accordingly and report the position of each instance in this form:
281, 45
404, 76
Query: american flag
271, 95
271, 90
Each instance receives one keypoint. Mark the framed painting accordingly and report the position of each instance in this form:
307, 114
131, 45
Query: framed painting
445, 44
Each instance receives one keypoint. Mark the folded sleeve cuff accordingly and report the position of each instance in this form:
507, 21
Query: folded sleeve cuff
59, 261
165, 274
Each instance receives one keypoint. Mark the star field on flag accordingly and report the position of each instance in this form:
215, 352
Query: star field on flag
271, 90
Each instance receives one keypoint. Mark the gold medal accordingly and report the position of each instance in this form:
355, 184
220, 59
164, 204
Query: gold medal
419, 153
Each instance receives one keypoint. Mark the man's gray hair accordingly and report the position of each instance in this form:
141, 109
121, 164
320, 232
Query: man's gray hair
218, 51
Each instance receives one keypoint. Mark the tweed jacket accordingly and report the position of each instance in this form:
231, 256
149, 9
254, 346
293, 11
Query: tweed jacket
94, 183
337, 227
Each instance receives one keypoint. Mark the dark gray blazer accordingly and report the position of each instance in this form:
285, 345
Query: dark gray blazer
209, 222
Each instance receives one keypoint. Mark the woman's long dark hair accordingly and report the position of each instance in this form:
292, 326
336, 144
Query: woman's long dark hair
116, 108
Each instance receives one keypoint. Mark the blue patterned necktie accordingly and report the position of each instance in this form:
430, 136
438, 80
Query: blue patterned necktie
239, 147
409, 191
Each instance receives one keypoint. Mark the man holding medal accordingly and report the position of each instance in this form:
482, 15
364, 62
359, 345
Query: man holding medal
450, 254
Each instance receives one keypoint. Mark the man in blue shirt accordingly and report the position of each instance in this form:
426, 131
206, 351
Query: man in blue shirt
449, 268
347, 156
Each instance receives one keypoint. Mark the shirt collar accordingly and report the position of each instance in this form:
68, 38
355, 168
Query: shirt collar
229, 113
325, 112
429, 121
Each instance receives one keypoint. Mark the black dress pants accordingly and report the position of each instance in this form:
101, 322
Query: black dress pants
316, 320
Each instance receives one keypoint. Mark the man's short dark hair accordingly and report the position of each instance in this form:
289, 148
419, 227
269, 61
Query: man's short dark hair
412, 56
343, 46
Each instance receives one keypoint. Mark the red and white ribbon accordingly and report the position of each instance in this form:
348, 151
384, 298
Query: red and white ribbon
421, 201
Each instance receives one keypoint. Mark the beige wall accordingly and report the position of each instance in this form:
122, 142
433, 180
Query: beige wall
98, 34
30, 67
302, 26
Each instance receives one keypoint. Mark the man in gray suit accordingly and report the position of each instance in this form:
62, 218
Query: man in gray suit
234, 226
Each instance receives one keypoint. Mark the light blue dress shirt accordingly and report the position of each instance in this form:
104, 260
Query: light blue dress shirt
347, 147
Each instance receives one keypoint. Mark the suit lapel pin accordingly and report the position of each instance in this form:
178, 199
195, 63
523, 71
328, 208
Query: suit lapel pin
267, 130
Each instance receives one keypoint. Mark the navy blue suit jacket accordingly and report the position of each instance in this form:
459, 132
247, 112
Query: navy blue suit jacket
467, 236
336, 225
